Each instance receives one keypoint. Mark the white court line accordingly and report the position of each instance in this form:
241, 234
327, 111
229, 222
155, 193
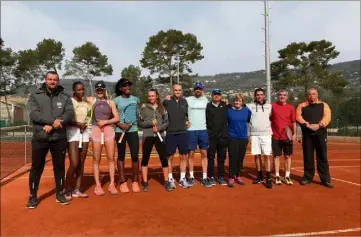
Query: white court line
322, 232
336, 166
341, 180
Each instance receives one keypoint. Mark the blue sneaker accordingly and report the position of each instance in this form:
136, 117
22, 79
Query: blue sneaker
191, 182
183, 183
212, 181
205, 183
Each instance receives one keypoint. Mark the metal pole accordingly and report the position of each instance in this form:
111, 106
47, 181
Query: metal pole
178, 68
267, 51
25, 146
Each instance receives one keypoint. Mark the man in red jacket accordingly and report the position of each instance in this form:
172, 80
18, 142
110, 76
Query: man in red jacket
283, 117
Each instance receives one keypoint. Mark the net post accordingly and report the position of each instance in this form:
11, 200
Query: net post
25, 145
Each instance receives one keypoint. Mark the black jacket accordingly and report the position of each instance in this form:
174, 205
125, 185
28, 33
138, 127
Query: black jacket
177, 115
45, 107
216, 117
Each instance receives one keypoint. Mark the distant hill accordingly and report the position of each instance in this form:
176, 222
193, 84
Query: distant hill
249, 80
244, 80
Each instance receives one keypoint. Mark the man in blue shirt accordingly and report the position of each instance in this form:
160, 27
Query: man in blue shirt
124, 98
197, 132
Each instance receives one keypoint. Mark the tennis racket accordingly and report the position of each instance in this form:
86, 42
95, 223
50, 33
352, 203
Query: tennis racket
99, 113
128, 116
83, 114
148, 112
289, 134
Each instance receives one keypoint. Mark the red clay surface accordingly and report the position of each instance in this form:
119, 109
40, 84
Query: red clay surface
243, 210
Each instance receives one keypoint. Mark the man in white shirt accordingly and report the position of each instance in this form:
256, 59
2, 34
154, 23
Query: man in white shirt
261, 135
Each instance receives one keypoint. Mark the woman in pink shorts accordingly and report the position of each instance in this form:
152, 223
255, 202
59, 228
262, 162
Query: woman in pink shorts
104, 116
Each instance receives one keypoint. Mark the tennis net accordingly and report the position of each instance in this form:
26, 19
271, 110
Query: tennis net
15, 148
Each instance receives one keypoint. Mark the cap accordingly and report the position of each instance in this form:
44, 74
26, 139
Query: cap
100, 85
198, 85
216, 92
124, 81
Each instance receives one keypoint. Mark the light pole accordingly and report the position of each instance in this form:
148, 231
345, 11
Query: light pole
267, 51
178, 68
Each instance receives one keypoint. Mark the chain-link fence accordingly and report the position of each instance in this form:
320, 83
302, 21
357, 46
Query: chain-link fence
15, 148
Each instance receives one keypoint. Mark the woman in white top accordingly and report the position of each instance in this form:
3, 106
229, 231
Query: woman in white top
77, 155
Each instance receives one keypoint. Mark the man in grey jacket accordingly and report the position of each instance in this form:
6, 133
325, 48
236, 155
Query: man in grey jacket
50, 109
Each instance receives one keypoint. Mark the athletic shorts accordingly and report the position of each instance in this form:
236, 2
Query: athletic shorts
73, 135
279, 146
261, 145
174, 141
198, 137
109, 133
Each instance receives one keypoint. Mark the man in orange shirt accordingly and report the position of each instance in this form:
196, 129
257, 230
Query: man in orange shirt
314, 116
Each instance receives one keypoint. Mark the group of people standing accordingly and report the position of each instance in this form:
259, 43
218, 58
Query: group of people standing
178, 123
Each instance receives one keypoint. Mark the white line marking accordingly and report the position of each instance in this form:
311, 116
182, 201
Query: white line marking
322, 232
341, 180
338, 166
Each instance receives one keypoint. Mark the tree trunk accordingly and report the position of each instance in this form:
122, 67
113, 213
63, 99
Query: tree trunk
7, 107
171, 81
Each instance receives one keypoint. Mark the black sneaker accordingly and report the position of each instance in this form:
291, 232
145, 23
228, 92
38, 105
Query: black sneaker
327, 184
269, 183
305, 182
205, 183
222, 181
258, 180
168, 186
212, 181
60, 198
32, 202
145, 187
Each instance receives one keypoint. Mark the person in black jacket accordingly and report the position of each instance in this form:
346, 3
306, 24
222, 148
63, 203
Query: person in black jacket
50, 110
216, 118
314, 116
177, 108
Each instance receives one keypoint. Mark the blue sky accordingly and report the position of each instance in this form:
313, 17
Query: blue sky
230, 32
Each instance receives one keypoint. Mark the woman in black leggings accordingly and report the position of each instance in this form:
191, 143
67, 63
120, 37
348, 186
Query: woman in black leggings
151, 126
238, 115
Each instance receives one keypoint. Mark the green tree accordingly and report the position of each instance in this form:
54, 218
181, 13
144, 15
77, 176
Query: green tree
50, 54
28, 69
88, 62
8, 82
171, 51
306, 65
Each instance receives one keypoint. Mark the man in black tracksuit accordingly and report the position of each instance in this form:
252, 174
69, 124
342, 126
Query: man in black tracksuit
314, 116
216, 118
50, 110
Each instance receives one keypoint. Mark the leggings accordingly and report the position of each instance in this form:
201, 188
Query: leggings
237, 151
133, 142
148, 143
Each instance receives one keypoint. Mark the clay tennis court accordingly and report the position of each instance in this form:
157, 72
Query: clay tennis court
243, 210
